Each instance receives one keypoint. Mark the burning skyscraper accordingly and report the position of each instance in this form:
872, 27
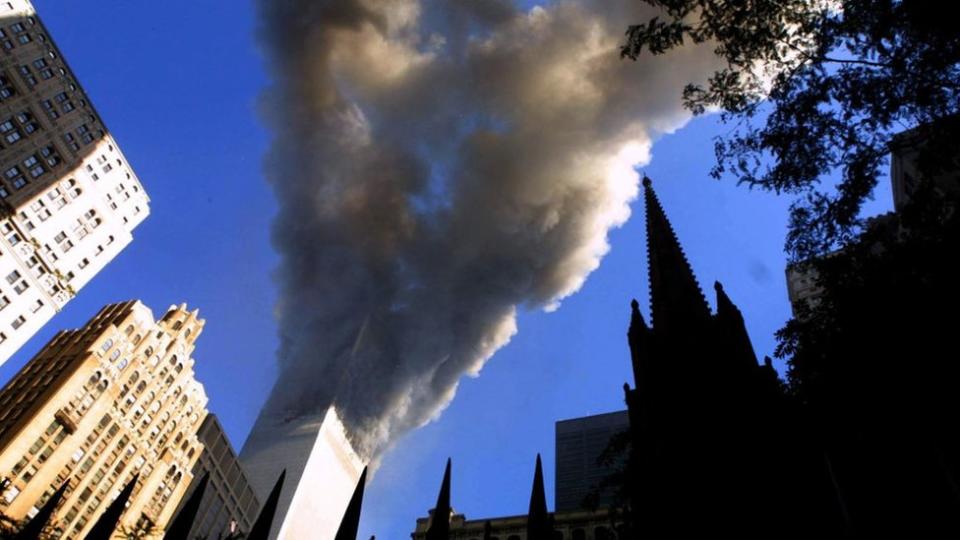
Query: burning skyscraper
322, 470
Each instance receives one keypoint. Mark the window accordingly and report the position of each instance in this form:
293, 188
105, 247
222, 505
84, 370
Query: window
22, 286
7, 89
71, 142
80, 230
18, 322
26, 120
15, 176
13, 277
27, 75
11, 494
10, 132
46, 72
50, 109
4, 302
33, 165
40, 209
84, 263
50, 155
85, 135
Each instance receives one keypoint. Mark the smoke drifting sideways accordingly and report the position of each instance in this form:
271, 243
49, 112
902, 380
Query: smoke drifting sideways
438, 166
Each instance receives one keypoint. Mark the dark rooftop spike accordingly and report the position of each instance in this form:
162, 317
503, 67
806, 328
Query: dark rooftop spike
32, 530
107, 523
675, 296
179, 529
637, 337
636, 318
731, 320
351, 518
261, 528
538, 519
724, 305
440, 524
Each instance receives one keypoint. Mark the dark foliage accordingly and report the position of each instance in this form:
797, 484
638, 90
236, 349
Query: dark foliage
816, 90
875, 363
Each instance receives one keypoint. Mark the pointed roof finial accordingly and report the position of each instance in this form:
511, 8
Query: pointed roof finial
724, 304
731, 320
440, 524
261, 527
538, 519
104, 527
179, 529
675, 296
33, 529
351, 518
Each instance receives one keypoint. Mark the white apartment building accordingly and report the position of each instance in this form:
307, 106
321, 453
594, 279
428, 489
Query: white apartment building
69, 201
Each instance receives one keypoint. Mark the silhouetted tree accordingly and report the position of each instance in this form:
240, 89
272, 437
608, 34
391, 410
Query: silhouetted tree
8, 527
816, 90
140, 531
874, 360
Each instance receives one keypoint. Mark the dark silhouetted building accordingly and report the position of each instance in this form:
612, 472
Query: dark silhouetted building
229, 504
711, 428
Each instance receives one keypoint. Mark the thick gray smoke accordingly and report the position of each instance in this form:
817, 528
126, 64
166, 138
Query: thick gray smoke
440, 165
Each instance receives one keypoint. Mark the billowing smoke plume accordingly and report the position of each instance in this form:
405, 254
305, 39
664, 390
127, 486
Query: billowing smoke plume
438, 166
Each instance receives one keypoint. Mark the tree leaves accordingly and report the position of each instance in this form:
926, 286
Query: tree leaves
815, 90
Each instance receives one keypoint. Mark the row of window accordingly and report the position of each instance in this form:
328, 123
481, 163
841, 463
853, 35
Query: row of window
17, 34
18, 127
34, 166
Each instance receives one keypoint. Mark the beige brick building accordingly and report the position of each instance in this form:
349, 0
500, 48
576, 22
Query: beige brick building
69, 201
96, 406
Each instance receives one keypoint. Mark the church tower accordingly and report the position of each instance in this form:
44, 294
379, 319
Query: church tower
706, 418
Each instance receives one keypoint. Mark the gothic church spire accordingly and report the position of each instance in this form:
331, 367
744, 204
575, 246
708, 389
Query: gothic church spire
675, 296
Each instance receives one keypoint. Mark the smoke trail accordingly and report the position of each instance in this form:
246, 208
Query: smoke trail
438, 166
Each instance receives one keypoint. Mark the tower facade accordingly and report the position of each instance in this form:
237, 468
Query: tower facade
69, 200
95, 407
322, 469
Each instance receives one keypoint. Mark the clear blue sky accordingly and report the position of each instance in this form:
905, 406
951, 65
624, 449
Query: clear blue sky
178, 82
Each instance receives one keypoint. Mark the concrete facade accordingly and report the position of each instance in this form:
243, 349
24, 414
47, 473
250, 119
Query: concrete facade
69, 200
97, 405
